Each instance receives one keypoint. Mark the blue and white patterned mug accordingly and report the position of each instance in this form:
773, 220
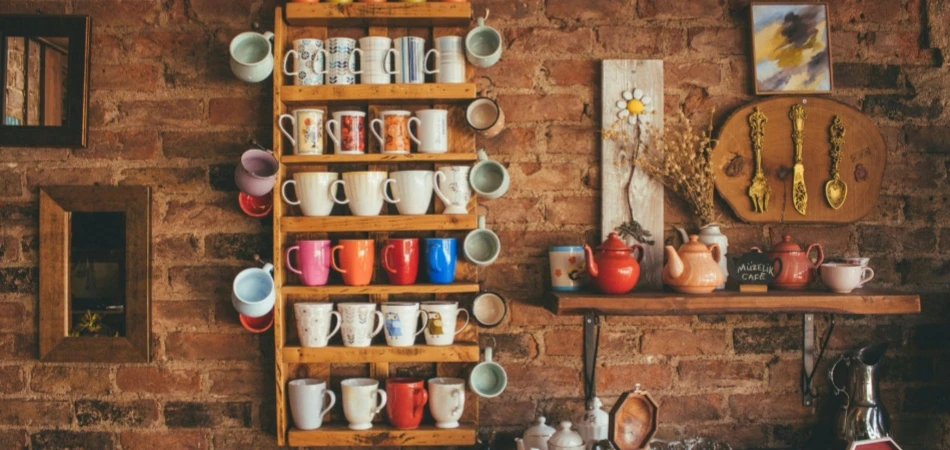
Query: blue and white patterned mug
310, 59
339, 62
410, 60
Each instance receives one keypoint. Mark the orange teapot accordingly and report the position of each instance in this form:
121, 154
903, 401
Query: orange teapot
694, 269
797, 269
614, 270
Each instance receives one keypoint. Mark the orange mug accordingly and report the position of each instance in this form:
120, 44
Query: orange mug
357, 258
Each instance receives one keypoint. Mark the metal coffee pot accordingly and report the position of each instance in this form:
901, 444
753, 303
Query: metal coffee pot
862, 416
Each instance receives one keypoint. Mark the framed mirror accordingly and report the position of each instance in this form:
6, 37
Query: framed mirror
44, 64
95, 274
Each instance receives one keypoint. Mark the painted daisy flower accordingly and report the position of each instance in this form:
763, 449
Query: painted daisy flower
636, 106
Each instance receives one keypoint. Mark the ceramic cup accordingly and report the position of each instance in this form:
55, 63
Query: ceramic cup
313, 262
863, 262
252, 56
401, 261
410, 60
844, 278
481, 246
489, 309
432, 128
441, 255
357, 328
376, 66
364, 192
347, 129
306, 134
257, 172
488, 379
402, 323
307, 399
412, 191
567, 267
451, 186
489, 178
313, 323
315, 192
443, 322
485, 116
449, 60
394, 125
310, 60
446, 401
252, 292
356, 261
407, 401
362, 400
341, 59
483, 45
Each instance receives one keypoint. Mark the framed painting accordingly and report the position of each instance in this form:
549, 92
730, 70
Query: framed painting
791, 48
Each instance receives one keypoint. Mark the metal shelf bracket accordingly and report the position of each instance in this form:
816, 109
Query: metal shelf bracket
810, 361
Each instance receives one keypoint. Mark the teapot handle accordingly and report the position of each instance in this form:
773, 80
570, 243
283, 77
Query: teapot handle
821, 254
640, 253
777, 262
716, 252
831, 379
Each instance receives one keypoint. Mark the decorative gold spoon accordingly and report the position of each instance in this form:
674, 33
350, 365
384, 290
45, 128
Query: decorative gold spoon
759, 190
836, 191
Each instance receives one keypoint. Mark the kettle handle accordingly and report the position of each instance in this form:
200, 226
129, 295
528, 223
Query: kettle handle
821, 254
831, 379
777, 271
640, 253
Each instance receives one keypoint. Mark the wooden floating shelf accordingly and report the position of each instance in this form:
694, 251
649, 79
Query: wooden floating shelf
460, 352
420, 288
361, 15
377, 158
378, 93
432, 222
335, 435
670, 304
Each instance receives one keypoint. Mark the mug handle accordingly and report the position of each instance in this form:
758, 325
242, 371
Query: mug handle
425, 61
287, 259
378, 134
870, 275
434, 262
385, 257
280, 124
389, 65
268, 35
409, 128
333, 258
386, 194
421, 399
333, 186
821, 254
459, 396
326, 57
381, 400
465, 325
396, 58
332, 396
287, 59
334, 134
425, 321
438, 191
339, 321
283, 192
380, 319
351, 63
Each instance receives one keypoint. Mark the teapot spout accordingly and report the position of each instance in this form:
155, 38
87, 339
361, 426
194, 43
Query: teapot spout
674, 265
519, 443
592, 268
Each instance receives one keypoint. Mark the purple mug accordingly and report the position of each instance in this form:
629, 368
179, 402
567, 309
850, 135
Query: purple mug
257, 173
313, 260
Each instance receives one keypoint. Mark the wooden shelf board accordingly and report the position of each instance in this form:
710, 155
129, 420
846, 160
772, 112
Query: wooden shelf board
378, 93
337, 435
377, 158
379, 14
431, 222
460, 352
419, 288
669, 303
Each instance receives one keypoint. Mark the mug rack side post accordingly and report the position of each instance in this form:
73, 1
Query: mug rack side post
281, 375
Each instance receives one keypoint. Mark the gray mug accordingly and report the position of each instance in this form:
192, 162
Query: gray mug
489, 178
488, 379
483, 45
481, 246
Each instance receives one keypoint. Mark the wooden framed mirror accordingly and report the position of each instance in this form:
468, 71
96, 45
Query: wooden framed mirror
95, 274
44, 66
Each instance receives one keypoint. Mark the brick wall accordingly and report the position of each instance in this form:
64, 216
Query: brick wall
165, 111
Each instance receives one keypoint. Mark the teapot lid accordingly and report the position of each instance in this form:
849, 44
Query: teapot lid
693, 246
566, 437
540, 429
613, 243
786, 245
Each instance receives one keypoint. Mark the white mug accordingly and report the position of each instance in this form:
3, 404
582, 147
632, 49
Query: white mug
446, 401
341, 59
567, 267
433, 130
396, 126
844, 278
310, 60
307, 131
313, 323
307, 397
357, 328
488, 177
376, 66
315, 192
449, 60
485, 116
402, 323
412, 191
410, 60
451, 186
364, 192
252, 56
362, 400
443, 318
483, 45
252, 293
863, 262
347, 129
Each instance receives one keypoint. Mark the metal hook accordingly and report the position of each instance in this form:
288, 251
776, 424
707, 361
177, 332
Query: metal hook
253, 142
482, 205
494, 343
487, 12
490, 90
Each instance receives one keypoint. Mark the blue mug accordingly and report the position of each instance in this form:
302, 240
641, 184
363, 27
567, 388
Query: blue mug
440, 256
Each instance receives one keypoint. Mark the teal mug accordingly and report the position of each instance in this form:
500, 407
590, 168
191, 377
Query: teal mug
481, 246
488, 379
488, 177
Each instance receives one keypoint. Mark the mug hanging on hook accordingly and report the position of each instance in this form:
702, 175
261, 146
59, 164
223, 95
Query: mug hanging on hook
484, 114
483, 44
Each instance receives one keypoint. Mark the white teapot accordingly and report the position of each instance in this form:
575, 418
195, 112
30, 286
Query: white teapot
566, 439
536, 437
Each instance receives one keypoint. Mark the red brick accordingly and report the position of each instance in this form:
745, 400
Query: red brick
239, 111
113, 13
546, 380
695, 9
228, 11
156, 113
564, 342
11, 184
120, 145
235, 439
573, 210
532, 108
73, 380
223, 216
212, 346
547, 178
866, 11
12, 380
642, 42
692, 408
772, 405
219, 145
509, 211
154, 380
161, 440
505, 412
181, 315
237, 382
573, 73
125, 77
718, 41
684, 342
166, 180
615, 379
512, 74
596, 11
546, 41
513, 142
201, 280
523, 314
17, 439
679, 75
16, 346
574, 141
14, 316
35, 413
720, 373
53, 177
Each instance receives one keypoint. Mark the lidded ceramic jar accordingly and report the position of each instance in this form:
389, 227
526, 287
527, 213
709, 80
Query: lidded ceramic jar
538, 435
592, 425
566, 439
797, 269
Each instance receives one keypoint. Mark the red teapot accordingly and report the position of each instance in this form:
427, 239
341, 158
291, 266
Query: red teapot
797, 268
614, 270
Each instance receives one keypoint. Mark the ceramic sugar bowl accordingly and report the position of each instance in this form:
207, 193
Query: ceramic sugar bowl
797, 269
537, 436
566, 439
694, 269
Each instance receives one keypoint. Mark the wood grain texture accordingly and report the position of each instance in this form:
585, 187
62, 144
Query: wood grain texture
420, 288
733, 165
282, 374
377, 158
460, 352
337, 435
633, 420
364, 15
432, 222
645, 199
722, 302
379, 93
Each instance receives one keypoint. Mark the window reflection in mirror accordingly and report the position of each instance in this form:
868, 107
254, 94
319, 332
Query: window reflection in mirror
35, 81
97, 274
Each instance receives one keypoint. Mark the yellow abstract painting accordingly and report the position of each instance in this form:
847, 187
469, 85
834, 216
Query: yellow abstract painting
791, 48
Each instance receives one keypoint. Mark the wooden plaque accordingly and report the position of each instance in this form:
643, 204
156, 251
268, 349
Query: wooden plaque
633, 420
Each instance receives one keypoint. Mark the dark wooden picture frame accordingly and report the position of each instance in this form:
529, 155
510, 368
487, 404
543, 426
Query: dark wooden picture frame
56, 205
755, 71
78, 30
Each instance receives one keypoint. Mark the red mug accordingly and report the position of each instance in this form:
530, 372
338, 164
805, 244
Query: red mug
401, 260
407, 398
